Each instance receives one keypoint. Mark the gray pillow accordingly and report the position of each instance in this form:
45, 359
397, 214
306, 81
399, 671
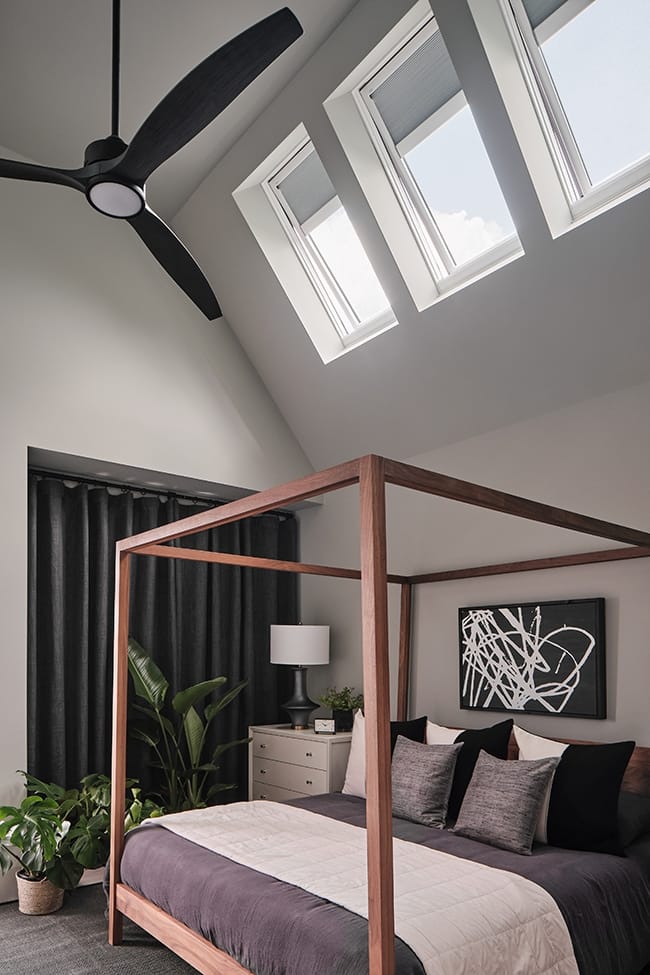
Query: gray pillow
503, 800
422, 777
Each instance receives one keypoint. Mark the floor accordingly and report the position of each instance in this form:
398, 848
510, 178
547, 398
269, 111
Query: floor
73, 942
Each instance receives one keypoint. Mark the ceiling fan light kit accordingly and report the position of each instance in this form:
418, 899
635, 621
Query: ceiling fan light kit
114, 173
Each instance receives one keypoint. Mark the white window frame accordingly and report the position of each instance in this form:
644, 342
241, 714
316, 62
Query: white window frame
410, 230
344, 318
295, 266
565, 191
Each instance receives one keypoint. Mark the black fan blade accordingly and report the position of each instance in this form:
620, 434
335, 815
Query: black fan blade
13, 169
176, 260
205, 92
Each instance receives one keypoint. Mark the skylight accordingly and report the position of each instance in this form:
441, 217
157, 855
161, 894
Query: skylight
328, 245
435, 156
456, 179
590, 61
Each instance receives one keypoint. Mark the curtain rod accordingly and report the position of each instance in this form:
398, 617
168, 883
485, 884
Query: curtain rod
141, 489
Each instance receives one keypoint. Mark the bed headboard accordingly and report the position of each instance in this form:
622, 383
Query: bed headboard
637, 774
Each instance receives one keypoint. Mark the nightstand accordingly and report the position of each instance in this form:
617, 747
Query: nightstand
286, 764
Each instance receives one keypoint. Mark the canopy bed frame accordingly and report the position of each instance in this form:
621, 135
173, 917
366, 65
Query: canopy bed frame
371, 473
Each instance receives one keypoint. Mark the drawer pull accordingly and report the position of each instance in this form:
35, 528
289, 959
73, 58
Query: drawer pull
262, 796
262, 771
308, 755
262, 746
308, 782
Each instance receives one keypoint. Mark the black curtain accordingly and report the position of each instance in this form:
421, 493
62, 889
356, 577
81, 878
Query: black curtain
197, 621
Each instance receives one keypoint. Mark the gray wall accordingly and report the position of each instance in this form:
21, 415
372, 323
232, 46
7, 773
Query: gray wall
592, 458
101, 356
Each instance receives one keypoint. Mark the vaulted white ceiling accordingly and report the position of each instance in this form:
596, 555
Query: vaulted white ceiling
55, 75
566, 322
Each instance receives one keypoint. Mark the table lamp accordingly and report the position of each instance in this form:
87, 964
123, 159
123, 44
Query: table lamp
299, 647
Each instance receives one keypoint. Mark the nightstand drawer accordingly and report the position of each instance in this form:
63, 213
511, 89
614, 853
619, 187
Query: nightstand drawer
305, 780
296, 751
274, 793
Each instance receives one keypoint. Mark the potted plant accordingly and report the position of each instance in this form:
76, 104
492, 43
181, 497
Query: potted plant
36, 837
343, 703
88, 812
177, 731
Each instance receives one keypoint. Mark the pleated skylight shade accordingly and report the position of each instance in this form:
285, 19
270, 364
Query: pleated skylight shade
539, 10
419, 87
307, 188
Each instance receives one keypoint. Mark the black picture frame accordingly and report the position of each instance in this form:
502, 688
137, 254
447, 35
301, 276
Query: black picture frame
515, 657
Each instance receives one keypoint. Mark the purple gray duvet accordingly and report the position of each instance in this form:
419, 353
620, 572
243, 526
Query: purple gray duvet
273, 928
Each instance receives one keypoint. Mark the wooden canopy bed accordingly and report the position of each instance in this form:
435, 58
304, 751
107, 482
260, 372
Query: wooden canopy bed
371, 473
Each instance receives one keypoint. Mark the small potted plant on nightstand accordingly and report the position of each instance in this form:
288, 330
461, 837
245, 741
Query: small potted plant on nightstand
36, 837
343, 703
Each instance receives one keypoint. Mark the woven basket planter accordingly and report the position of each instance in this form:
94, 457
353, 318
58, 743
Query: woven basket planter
38, 896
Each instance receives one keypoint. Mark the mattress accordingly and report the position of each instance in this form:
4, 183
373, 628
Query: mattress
274, 928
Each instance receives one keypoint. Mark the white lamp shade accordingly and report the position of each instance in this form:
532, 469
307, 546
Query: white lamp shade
300, 645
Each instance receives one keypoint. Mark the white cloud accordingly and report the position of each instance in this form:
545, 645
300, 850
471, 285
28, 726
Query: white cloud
468, 236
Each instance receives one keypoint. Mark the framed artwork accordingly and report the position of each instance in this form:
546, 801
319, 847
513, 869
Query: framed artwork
537, 658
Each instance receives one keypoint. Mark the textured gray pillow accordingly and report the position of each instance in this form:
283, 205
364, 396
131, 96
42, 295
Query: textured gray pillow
503, 800
422, 777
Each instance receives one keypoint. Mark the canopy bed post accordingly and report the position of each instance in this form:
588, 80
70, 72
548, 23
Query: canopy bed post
376, 684
404, 667
120, 689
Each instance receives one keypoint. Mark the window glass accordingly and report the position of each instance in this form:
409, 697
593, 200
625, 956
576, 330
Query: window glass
600, 66
454, 175
449, 190
340, 248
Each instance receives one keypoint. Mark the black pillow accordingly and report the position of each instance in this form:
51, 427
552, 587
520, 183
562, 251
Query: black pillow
415, 730
633, 817
493, 740
583, 808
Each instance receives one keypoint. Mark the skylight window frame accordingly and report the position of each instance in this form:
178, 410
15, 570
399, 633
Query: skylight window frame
583, 198
446, 274
349, 327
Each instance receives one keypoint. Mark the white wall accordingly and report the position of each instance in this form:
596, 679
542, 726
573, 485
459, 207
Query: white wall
593, 458
102, 356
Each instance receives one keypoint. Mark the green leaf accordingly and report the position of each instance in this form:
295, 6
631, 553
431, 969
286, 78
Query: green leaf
220, 787
193, 728
184, 700
157, 717
149, 682
47, 789
64, 872
220, 749
143, 735
6, 860
213, 709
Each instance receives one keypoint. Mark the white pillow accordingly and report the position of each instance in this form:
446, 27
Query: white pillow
532, 747
437, 734
355, 773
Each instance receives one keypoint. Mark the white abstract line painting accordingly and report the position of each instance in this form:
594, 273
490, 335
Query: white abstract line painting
510, 660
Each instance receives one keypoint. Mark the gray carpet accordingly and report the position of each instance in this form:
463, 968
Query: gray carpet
73, 942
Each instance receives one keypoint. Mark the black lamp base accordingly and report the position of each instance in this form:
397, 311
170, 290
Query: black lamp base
299, 706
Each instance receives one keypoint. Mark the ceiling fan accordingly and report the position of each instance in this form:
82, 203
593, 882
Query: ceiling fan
114, 174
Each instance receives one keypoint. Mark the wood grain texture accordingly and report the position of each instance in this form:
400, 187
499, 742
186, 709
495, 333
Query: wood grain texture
118, 777
533, 565
637, 773
255, 504
198, 952
404, 667
376, 685
256, 562
456, 490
